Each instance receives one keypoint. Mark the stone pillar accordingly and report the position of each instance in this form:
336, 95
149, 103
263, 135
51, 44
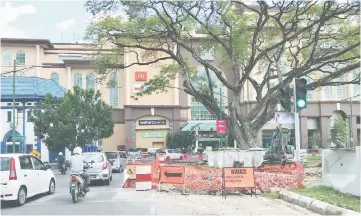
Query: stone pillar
325, 136
354, 131
69, 78
304, 132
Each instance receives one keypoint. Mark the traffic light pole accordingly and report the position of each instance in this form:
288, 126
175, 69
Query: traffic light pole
297, 124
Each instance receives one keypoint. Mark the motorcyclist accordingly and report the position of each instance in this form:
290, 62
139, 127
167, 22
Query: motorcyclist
77, 161
61, 160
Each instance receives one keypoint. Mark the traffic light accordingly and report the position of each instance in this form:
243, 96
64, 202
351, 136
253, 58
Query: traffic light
286, 98
301, 94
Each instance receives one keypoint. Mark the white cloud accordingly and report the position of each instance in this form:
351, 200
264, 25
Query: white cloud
10, 14
64, 25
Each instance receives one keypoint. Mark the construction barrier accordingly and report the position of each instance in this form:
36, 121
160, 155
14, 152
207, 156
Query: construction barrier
199, 178
143, 178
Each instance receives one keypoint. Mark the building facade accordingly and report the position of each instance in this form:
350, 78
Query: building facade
29, 92
143, 123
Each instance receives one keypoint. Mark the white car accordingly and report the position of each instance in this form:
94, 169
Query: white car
101, 167
172, 154
118, 158
24, 176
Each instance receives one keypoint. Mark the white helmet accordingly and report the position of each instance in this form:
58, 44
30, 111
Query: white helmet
60, 153
77, 150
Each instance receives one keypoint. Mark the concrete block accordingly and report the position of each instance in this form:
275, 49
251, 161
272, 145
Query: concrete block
290, 196
319, 207
334, 210
305, 201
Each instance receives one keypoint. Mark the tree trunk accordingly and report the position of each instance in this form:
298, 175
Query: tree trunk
250, 139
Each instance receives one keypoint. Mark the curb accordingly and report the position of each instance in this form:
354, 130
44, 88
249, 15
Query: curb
314, 204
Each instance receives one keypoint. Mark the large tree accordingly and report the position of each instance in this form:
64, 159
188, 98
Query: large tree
79, 118
278, 40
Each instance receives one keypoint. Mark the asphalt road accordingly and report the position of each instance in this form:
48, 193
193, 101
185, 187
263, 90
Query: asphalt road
114, 200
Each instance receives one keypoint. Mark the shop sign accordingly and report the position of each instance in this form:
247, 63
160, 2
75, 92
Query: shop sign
140, 76
282, 118
153, 134
137, 88
152, 122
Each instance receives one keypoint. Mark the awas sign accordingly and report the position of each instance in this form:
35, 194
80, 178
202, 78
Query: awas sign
221, 126
239, 177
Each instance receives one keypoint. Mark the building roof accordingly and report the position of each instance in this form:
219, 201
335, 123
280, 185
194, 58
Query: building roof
203, 125
29, 88
45, 42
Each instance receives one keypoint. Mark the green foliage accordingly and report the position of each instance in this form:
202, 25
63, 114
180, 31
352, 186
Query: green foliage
247, 39
182, 140
79, 118
339, 133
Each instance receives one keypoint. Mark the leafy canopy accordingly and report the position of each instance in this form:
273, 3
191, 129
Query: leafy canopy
260, 47
79, 118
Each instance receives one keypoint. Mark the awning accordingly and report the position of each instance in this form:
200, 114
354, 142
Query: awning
205, 125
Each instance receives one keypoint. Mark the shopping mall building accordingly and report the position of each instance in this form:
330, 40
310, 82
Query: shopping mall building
144, 123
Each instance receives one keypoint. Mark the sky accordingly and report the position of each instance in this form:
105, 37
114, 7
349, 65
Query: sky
58, 21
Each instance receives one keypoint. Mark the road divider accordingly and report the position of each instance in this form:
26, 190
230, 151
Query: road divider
143, 178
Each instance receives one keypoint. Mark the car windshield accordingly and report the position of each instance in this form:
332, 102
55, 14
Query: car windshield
97, 158
5, 163
111, 155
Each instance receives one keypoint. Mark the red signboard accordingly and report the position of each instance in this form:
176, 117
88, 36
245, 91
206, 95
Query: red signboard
140, 76
221, 126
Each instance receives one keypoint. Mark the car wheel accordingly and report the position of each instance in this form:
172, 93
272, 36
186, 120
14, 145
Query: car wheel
168, 158
181, 158
21, 196
51, 187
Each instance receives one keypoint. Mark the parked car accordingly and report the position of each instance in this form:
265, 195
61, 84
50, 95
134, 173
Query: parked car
24, 176
101, 169
134, 156
118, 158
172, 154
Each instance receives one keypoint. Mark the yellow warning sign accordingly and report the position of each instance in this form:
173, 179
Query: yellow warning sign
35, 153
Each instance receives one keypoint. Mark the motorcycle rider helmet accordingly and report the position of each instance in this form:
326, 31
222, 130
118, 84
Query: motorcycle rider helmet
77, 150
60, 153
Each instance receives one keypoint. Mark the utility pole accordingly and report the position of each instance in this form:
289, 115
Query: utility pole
13, 137
297, 123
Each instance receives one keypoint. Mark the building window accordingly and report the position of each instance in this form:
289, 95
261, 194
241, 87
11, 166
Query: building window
340, 90
90, 81
198, 111
6, 57
20, 58
78, 80
29, 116
55, 77
9, 116
113, 90
356, 87
327, 92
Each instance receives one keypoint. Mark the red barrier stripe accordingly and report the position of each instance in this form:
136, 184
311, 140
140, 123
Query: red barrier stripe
144, 177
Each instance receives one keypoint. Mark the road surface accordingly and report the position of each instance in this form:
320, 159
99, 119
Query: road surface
114, 200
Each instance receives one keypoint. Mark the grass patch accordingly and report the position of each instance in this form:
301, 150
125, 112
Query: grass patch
314, 158
273, 195
332, 196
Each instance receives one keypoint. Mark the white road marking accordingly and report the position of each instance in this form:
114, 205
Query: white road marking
83, 200
152, 210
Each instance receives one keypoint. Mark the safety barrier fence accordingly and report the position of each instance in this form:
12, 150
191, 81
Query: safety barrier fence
200, 178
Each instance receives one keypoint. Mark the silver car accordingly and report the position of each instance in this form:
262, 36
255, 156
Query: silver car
101, 169
118, 158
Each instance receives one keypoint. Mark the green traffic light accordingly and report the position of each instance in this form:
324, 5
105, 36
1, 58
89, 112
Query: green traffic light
301, 103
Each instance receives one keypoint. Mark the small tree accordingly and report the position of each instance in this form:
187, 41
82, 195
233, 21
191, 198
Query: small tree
339, 131
182, 140
77, 119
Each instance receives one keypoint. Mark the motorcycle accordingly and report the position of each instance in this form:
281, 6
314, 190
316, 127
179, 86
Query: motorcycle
63, 169
77, 182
